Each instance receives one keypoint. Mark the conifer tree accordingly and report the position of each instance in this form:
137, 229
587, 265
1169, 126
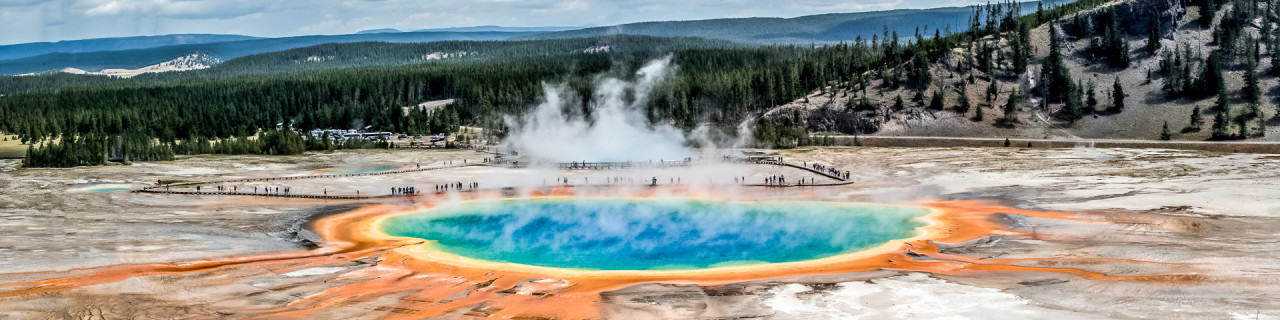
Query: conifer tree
1117, 96
1153, 34
1011, 108
1024, 43
898, 104
1212, 81
1252, 93
1164, 132
1196, 119
1115, 43
1244, 127
937, 103
993, 88
1222, 105
1076, 99
1018, 52
920, 73
1055, 70
1039, 12
1274, 47
1207, 12
1219, 130
963, 104
1092, 97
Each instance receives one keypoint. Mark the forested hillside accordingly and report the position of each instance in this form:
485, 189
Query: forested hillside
368, 54
371, 54
1140, 69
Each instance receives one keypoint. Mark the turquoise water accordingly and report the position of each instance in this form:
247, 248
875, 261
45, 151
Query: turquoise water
609, 234
98, 187
110, 189
360, 169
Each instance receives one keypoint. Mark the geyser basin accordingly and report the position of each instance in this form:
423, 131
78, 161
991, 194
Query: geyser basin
615, 234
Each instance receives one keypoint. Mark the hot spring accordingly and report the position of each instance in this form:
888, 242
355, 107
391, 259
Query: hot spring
358, 169
632, 234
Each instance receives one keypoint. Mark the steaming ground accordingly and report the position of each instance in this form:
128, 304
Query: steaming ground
1211, 215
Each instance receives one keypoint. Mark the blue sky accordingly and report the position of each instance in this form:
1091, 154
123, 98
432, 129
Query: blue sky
52, 20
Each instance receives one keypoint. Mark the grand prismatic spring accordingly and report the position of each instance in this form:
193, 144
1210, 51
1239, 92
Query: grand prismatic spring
610, 234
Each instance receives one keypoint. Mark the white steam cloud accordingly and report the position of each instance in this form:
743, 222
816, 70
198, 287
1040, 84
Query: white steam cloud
615, 130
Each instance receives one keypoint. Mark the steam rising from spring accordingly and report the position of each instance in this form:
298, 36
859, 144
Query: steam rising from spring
615, 130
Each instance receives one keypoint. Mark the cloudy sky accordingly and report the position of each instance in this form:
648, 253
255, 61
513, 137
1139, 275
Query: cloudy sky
52, 20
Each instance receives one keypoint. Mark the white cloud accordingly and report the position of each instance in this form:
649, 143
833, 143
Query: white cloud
563, 6
189, 9
333, 25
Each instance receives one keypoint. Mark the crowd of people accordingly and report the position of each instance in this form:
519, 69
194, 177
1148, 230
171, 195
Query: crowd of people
617, 180
775, 180
236, 189
459, 186
831, 171
404, 191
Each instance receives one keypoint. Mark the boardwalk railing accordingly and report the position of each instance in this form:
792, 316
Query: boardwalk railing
321, 176
620, 165
166, 189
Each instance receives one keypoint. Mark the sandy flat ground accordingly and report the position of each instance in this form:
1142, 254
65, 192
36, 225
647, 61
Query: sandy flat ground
1216, 216
11, 147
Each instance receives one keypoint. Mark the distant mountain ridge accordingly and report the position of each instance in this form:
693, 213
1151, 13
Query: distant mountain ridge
481, 29
383, 30
139, 58
24, 50
506, 29
822, 28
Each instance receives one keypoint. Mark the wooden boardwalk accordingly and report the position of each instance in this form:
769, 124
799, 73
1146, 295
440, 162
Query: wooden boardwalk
166, 189
620, 165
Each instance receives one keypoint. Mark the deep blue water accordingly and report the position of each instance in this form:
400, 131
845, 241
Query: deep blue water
609, 234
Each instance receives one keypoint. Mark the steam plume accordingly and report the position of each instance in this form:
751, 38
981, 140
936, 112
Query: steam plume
615, 130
